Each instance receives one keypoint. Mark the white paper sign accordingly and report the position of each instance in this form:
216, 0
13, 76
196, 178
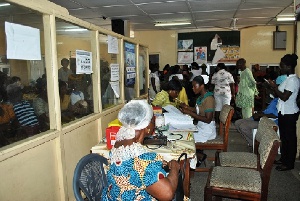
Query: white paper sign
83, 62
112, 45
23, 42
116, 88
114, 72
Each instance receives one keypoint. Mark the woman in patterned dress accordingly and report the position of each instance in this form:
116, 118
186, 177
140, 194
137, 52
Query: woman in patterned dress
135, 173
247, 90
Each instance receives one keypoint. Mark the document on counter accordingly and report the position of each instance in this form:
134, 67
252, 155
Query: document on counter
172, 110
179, 122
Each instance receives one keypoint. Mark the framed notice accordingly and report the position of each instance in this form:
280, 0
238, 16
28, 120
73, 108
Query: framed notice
185, 57
200, 55
185, 45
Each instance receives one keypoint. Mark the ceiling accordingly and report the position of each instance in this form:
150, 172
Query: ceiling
203, 14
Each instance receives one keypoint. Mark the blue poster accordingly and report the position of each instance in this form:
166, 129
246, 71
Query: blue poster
130, 66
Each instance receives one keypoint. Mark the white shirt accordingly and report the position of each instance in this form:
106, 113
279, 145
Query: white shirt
222, 80
292, 84
76, 96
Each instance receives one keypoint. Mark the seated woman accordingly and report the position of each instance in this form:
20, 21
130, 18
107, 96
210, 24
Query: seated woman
135, 173
203, 112
7, 115
78, 104
65, 103
168, 95
40, 104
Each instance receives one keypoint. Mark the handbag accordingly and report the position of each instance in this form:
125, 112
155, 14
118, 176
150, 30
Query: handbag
179, 194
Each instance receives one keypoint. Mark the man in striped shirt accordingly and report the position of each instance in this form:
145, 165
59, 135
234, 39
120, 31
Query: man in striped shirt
23, 110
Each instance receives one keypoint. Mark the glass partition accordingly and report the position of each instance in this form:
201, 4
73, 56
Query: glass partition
109, 70
142, 70
75, 70
24, 110
130, 70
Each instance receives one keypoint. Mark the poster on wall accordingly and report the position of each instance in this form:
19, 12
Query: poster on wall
185, 57
83, 62
130, 65
114, 72
23, 42
112, 43
185, 45
232, 53
200, 55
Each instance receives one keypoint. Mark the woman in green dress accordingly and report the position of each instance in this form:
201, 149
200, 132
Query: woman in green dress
247, 89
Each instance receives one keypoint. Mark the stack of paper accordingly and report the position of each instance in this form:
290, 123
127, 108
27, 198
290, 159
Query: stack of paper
177, 120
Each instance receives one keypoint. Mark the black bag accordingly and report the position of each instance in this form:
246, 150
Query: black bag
179, 194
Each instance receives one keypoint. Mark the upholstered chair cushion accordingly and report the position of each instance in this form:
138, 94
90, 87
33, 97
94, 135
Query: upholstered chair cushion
264, 124
217, 140
236, 178
238, 159
265, 145
224, 113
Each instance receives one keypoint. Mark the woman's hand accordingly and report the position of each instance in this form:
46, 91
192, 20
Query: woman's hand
183, 105
174, 166
272, 83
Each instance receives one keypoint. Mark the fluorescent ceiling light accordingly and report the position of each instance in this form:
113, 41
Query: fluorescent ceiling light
4, 4
171, 24
286, 18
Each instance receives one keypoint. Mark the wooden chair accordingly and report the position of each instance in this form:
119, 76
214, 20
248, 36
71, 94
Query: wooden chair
246, 159
220, 143
244, 183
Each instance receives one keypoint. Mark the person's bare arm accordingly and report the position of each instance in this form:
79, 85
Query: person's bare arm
165, 188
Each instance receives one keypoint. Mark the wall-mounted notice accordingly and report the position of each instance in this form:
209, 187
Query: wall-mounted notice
130, 66
185, 45
83, 62
116, 88
185, 57
23, 42
114, 72
200, 55
113, 47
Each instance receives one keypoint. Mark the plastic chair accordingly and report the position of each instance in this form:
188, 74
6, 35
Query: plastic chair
89, 177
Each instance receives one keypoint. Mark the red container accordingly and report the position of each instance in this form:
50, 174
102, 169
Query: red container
111, 136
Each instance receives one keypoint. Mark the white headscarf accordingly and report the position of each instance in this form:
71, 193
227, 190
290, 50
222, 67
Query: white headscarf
135, 115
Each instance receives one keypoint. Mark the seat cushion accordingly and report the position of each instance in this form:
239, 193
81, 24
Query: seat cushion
236, 178
238, 159
217, 140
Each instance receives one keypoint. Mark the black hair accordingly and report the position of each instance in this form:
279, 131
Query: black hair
174, 85
221, 65
199, 79
15, 79
241, 60
64, 59
290, 60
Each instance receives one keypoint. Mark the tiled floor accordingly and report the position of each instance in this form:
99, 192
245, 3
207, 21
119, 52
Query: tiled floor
284, 186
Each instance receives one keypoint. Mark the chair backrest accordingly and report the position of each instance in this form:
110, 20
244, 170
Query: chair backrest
264, 124
267, 152
225, 121
89, 177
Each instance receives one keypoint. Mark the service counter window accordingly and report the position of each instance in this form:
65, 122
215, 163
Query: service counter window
109, 70
130, 71
74, 58
143, 69
24, 110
